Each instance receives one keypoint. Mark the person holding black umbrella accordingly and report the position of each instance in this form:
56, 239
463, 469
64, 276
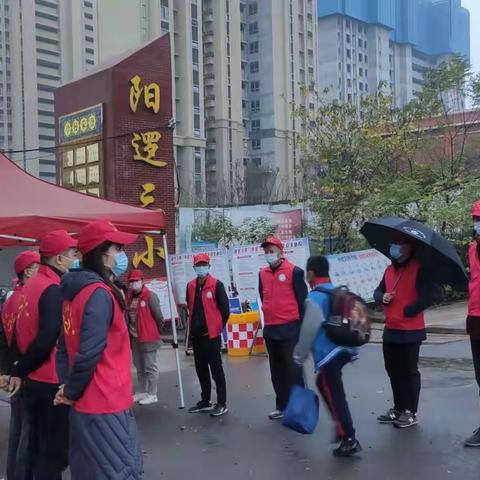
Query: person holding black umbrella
406, 291
473, 318
422, 261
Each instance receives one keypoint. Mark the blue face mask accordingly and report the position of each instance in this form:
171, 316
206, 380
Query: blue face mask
75, 265
202, 272
271, 258
476, 227
395, 251
121, 264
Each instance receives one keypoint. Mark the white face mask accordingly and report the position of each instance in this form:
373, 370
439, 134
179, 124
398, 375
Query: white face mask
476, 227
136, 286
271, 258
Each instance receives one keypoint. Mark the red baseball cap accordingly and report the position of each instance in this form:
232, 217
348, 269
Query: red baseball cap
135, 275
56, 242
476, 209
201, 258
24, 260
273, 241
95, 233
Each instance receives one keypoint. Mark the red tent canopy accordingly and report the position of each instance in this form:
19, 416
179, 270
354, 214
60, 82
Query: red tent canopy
30, 207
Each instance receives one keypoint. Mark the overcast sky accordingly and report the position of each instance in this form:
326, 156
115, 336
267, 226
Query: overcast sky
474, 7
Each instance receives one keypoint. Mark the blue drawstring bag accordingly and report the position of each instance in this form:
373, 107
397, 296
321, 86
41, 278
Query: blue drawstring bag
301, 413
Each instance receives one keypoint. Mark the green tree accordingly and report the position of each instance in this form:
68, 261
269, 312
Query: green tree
447, 165
349, 155
218, 229
255, 230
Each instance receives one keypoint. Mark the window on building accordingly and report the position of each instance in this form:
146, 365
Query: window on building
349, 97
82, 169
349, 67
255, 86
349, 38
349, 83
253, 8
254, 67
349, 53
360, 57
196, 99
254, 47
359, 28
194, 33
255, 125
195, 56
348, 24
360, 42
256, 144
364, 44
196, 77
253, 28
360, 86
366, 73
366, 87
360, 72
196, 124
255, 106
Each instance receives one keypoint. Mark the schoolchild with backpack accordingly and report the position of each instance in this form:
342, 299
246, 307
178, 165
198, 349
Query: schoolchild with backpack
333, 319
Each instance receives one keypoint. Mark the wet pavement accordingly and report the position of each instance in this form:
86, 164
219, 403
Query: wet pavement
245, 445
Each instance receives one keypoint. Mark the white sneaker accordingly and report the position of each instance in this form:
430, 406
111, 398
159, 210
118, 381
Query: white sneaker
149, 400
139, 396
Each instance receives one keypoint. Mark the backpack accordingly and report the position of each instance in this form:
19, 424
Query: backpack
349, 322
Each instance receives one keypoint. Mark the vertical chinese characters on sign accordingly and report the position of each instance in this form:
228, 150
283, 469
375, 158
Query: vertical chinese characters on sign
145, 147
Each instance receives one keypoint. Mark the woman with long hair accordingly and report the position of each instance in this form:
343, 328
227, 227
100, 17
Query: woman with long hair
93, 360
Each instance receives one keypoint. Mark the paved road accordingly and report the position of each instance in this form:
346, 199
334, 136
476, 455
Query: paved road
246, 445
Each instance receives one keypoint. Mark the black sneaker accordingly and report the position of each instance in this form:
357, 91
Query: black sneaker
200, 407
474, 440
219, 410
347, 448
275, 415
389, 417
406, 420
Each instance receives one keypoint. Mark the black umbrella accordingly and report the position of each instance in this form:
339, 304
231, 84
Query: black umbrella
434, 252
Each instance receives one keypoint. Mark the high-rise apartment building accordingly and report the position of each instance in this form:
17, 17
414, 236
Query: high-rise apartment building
279, 41
366, 42
237, 69
43, 43
141, 21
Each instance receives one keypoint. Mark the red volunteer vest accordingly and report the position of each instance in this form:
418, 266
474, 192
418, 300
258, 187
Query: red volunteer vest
402, 282
147, 328
110, 390
213, 316
474, 285
279, 303
28, 319
9, 314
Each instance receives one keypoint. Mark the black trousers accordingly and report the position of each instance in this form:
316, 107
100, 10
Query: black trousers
330, 385
284, 371
19, 464
208, 358
401, 364
48, 439
476, 357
